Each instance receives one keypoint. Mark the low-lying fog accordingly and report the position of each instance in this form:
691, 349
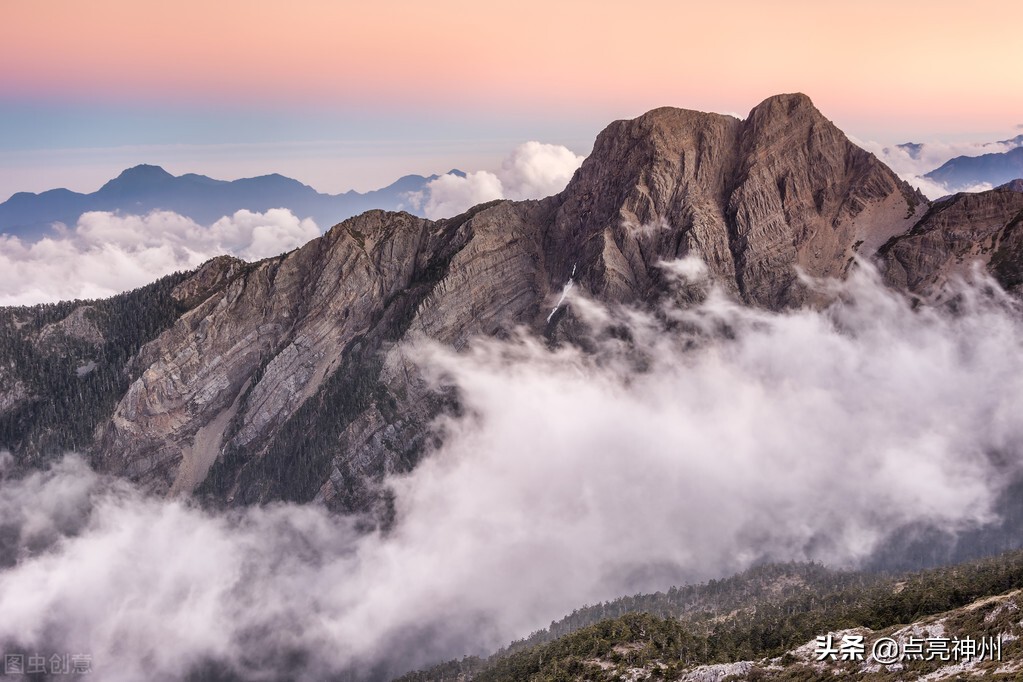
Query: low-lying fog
717, 437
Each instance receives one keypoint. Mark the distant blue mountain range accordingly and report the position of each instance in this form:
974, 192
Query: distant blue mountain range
146, 188
994, 169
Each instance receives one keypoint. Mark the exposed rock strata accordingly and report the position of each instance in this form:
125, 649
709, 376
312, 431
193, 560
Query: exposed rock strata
957, 234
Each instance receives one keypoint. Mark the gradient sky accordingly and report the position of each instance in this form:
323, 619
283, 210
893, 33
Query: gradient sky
349, 94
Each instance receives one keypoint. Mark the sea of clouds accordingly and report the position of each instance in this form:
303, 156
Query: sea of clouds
106, 253
685, 444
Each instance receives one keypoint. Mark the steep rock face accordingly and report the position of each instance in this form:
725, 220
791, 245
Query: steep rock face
250, 355
497, 281
288, 378
805, 196
653, 188
953, 236
63, 367
755, 199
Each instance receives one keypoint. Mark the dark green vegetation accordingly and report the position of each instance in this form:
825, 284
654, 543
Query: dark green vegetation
76, 373
762, 613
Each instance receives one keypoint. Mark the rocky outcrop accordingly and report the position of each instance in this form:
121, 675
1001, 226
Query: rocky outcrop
287, 378
252, 353
78, 325
805, 196
14, 391
955, 236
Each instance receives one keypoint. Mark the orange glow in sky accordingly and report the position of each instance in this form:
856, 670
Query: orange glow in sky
941, 64
466, 77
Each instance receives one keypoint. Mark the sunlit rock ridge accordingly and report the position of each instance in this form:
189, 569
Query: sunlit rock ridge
287, 378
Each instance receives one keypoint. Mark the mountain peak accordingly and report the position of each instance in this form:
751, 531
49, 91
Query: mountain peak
144, 171
787, 111
137, 178
789, 101
755, 198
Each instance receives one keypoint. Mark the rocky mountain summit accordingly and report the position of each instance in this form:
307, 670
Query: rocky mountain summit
287, 378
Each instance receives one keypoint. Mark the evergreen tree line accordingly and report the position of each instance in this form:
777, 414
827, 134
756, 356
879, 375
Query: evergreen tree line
745, 617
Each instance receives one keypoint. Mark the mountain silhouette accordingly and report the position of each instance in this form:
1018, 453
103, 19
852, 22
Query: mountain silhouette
147, 188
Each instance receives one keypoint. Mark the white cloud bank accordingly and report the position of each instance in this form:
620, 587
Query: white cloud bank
724, 437
533, 170
107, 253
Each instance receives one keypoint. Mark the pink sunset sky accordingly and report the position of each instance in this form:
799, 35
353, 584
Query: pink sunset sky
348, 94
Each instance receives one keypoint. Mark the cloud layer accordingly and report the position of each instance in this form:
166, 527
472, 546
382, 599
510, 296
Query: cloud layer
533, 170
912, 162
107, 253
714, 438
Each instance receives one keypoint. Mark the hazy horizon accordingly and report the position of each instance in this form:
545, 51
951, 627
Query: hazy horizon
346, 96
